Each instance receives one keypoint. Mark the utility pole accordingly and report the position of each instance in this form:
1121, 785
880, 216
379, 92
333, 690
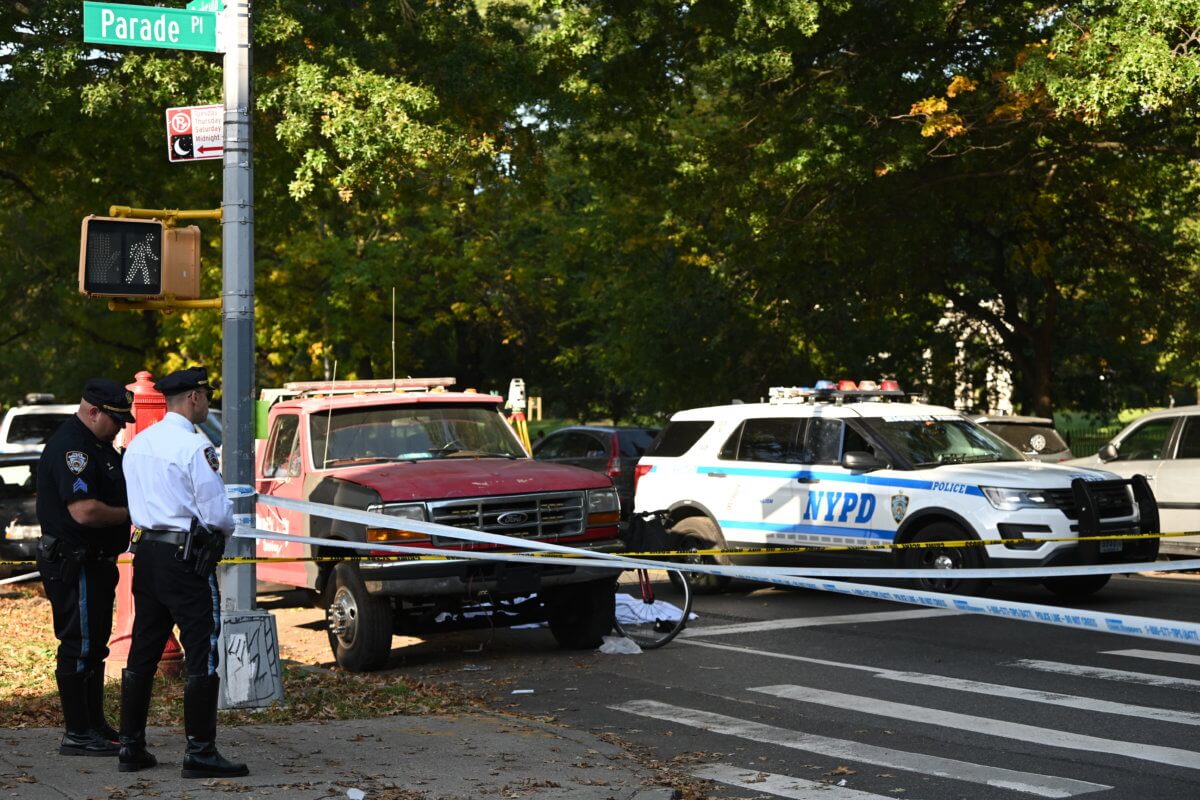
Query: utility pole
251, 673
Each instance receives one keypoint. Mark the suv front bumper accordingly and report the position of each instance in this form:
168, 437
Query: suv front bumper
471, 577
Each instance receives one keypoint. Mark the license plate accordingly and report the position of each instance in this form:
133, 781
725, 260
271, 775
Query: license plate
1111, 545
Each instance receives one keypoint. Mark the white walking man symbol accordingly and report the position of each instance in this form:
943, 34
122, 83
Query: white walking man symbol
138, 254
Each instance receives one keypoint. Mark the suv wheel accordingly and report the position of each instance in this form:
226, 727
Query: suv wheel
1076, 587
582, 615
945, 558
359, 624
700, 533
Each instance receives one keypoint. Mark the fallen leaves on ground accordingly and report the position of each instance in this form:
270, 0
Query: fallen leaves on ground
29, 696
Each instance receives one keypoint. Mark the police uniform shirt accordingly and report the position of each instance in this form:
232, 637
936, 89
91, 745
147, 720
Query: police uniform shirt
173, 475
77, 465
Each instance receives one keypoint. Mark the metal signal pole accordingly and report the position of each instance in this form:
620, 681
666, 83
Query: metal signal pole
251, 674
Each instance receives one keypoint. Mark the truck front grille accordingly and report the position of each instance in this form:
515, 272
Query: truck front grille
545, 517
1113, 503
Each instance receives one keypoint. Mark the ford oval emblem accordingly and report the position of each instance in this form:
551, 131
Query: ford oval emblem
510, 518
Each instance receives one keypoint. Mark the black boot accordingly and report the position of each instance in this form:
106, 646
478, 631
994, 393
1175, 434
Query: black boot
79, 740
135, 707
200, 723
95, 704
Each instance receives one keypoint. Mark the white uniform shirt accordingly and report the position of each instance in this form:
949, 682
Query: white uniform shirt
171, 474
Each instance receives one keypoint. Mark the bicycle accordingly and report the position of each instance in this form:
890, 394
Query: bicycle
660, 607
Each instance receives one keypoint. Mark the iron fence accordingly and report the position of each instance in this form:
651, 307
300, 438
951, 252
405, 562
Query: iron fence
1086, 441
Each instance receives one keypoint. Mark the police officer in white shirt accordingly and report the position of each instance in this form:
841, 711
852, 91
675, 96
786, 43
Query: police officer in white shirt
177, 500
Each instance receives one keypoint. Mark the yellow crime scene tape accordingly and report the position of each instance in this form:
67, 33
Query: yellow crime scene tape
755, 551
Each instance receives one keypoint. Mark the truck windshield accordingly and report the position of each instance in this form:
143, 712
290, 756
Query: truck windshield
411, 432
930, 441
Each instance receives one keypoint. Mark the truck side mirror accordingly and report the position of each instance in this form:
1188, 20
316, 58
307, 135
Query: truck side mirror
860, 461
1109, 452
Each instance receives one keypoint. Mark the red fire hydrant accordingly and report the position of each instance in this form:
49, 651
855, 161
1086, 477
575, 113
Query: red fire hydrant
149, 406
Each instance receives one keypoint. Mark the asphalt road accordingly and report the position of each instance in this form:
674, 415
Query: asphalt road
799, 694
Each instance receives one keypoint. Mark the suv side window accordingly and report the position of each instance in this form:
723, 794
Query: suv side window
829, 439
678, 437
770, 440
633, 444
583, 445
824, 440
1189, 440
553, 446
1145, 443
283, 458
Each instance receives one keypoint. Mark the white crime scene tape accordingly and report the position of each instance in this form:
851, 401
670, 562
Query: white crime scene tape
1144, 627
377, 520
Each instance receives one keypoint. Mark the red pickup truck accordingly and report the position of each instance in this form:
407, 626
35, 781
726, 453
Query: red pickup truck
412, 450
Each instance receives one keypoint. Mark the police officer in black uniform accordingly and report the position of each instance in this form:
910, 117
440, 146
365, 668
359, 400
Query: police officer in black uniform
83, 512
180, 508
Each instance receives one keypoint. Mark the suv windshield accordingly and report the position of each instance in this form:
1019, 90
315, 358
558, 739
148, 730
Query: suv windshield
411, 432
932, 441
34, 428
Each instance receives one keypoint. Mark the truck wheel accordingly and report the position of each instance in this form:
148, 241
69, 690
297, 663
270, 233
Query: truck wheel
945, 558
1076, 587
360, 625
700, 533
582, 615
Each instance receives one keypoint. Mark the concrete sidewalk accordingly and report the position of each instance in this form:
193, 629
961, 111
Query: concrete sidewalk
392, 758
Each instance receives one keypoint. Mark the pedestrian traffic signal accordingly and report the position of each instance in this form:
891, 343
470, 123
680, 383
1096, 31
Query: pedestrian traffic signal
138, 258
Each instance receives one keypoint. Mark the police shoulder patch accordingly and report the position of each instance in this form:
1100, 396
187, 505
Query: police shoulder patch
210, 453
76, 461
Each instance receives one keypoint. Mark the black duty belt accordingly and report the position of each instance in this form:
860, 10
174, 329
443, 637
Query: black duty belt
176, 538
54, 547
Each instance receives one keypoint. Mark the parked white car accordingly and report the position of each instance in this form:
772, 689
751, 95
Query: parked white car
26, 428
822, 468
1165, 447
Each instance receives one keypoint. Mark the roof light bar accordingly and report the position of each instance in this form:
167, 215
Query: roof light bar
842, 391
309, 388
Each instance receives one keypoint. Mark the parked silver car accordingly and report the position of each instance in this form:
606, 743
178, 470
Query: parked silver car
1165, 447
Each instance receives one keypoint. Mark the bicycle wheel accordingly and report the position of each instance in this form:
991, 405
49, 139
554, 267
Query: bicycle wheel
652, 606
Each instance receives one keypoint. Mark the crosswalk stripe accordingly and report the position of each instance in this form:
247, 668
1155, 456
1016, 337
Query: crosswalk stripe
810, 622
1048, 698
1027, 782
1126, 676
1157, 655
988, 689
780, 785
985, 725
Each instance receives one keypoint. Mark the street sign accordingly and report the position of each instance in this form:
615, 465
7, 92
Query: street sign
205, 5
150, 26
195, 133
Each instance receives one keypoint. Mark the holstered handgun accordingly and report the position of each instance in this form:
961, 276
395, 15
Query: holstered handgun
57, 551
204, 547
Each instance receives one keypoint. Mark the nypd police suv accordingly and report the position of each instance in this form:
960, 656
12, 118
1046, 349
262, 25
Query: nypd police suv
859, 465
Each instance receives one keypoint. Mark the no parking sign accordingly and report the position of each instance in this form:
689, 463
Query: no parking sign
194, 133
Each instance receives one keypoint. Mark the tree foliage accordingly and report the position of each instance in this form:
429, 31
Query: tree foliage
641, 205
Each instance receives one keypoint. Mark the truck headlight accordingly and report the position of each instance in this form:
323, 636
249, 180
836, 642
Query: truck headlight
404, 511
1012, 499
603, 507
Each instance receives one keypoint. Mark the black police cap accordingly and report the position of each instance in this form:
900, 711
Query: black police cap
184, 380
110, 397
